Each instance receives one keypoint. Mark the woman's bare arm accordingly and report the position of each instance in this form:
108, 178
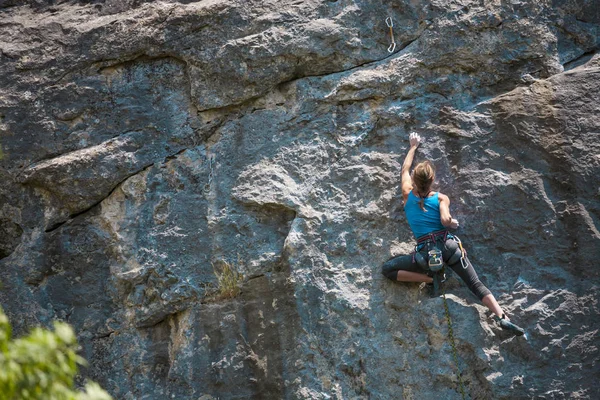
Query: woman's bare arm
407, 184
445, 217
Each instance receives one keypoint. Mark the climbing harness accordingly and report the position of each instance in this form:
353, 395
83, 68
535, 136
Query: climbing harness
436, 258
390, 24
453, 345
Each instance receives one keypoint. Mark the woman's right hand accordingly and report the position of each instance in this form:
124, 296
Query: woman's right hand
453, 224
414, 139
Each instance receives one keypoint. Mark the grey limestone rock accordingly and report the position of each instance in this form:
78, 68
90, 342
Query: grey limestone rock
143, 144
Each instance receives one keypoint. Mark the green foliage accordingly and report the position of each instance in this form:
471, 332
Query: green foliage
229, 281
42, 365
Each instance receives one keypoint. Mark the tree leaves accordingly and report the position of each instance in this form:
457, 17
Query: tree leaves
42, 365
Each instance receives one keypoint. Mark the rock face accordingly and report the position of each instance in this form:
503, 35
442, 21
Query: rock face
145, 144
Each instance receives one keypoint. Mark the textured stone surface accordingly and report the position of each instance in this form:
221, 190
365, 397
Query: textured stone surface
143, 143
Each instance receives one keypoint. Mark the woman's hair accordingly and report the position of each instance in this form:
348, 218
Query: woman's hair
422, 177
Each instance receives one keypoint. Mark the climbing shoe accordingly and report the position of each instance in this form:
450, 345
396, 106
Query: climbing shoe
509, 326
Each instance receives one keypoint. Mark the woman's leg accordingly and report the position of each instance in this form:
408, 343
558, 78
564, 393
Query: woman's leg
487, 298
490, 302
403, 269
469, 276
408, 276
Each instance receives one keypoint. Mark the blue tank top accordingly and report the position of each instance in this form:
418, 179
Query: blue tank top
421, 222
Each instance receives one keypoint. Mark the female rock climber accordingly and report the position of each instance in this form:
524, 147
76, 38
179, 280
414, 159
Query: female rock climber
428, 214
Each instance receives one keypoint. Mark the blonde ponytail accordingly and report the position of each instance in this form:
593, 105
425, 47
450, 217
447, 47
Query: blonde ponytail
423, 176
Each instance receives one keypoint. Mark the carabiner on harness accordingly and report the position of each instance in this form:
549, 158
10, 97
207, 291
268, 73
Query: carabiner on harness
390, 24
463, 253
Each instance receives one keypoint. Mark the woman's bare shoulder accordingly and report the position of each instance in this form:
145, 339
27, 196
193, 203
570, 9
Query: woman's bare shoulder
443, 197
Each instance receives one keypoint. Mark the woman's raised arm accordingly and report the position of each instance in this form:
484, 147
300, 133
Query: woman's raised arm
407, 184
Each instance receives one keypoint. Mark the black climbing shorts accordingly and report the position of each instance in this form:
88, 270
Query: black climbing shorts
407, 263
